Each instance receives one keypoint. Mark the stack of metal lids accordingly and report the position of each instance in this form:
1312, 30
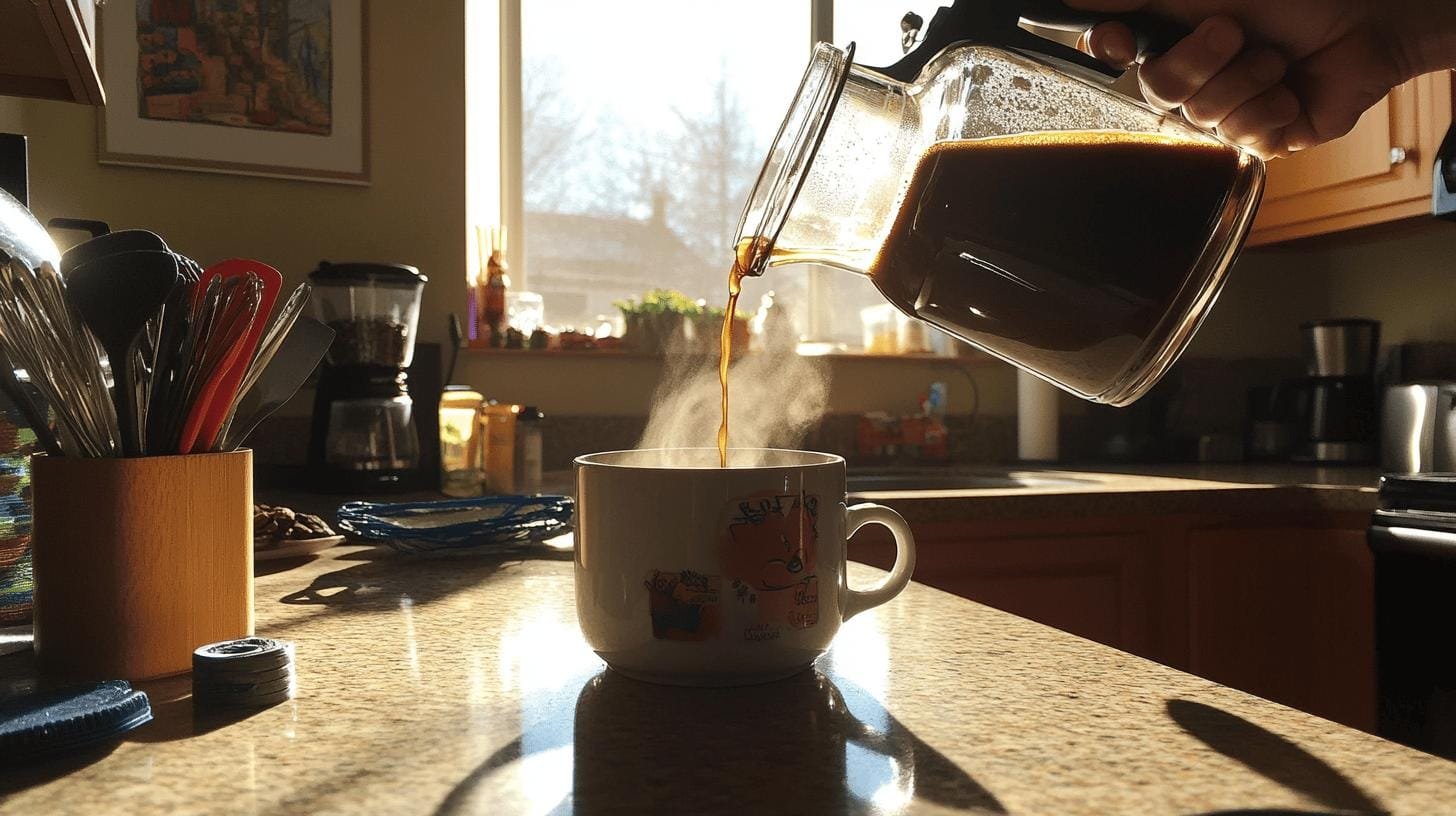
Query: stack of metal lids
248, 673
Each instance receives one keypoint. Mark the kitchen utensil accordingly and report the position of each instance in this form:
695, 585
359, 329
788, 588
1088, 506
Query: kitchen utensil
1345, 347
156, 561
688, 573
224, 333
273, 338
947, 179
41, 332
219, 400
170, 333
117, 294
22, 237
497, 522
90, 226
297, 357
112, 243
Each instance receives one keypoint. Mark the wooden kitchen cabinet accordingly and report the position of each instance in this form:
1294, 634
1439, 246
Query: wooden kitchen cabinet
1278, 605
50, 50
1108, 580
1381, 171
1287, 614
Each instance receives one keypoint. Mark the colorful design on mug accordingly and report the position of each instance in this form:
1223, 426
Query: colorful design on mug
770, 557
683, 605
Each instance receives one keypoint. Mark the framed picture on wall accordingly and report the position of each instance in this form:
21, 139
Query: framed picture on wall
254, 87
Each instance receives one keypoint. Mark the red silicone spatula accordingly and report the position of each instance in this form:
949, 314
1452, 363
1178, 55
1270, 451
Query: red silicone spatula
214, 406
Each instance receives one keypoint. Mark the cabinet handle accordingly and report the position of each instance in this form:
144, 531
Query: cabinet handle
1399, 156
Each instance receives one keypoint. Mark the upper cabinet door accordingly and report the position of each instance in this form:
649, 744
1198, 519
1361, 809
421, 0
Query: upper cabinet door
1379, 172
50, 50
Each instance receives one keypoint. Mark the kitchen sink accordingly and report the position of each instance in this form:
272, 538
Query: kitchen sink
875, 481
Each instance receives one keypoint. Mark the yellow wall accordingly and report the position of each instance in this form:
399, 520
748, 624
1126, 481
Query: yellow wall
1402, 275
414, 212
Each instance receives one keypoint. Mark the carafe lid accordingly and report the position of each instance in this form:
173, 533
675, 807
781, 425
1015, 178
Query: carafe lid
377, 274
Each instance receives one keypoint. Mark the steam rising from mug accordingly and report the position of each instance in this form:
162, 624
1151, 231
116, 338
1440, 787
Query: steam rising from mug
775, 396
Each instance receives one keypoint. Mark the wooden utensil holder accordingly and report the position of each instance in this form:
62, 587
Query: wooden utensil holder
140, 561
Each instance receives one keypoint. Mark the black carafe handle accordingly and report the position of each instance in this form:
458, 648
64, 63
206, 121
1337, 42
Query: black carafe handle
997, 23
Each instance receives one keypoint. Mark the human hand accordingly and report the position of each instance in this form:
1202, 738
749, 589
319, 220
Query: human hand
1281, 76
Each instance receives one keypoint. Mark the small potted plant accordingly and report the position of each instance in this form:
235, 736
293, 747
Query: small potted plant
658, 321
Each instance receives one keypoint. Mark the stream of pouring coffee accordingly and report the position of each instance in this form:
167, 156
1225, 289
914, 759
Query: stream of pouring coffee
741, 260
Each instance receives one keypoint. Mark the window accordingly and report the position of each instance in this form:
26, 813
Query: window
642, 127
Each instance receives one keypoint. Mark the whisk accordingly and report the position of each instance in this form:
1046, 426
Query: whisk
42, 333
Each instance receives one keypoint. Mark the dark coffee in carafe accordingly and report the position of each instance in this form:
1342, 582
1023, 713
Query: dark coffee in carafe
1061, 250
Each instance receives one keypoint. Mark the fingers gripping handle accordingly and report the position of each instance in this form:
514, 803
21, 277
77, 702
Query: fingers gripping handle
860, 515
1154, 34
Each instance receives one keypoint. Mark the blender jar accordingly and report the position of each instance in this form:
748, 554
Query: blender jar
372, 308
993, 185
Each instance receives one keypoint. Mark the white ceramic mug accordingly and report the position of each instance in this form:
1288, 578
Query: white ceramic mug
692, 574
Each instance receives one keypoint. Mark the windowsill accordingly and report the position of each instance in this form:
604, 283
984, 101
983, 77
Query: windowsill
967, 358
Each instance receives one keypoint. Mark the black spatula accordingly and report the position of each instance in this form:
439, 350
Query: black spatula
296, 358
116, 295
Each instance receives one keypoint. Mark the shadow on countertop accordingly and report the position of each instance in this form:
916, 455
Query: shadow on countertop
1273, 757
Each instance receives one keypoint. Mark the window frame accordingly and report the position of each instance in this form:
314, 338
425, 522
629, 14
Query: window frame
512, 202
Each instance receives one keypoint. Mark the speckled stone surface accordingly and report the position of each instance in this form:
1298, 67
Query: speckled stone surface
1192, 491
461, 685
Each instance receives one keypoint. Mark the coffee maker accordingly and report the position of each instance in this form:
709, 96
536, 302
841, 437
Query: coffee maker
1338, 412
364, 435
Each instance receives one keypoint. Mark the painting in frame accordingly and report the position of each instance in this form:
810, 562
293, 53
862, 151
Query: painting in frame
254, 87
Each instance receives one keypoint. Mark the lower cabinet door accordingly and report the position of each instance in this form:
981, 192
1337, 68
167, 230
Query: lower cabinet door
1287, 614
1100, 587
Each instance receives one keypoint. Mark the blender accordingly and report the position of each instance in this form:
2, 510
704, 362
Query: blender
364, 435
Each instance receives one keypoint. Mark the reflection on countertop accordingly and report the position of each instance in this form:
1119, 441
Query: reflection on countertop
462, 685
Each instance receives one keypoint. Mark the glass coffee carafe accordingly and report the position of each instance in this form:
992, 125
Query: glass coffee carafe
994, 185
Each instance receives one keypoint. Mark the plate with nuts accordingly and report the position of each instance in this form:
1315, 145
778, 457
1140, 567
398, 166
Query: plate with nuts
281, 532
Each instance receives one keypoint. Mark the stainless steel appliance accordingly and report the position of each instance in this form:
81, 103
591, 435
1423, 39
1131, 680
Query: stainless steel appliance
1338, 397
1408, 428
1418, 428
1413, 539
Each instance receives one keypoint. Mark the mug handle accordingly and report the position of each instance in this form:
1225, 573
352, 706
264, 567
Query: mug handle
860, 515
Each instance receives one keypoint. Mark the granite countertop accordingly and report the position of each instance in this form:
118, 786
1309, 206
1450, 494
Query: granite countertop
1053, 491
462, 685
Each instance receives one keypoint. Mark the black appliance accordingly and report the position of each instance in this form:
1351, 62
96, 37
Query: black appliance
1413, 538
366, 430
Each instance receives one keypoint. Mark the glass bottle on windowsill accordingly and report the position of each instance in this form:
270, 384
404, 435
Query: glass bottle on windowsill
497, 283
